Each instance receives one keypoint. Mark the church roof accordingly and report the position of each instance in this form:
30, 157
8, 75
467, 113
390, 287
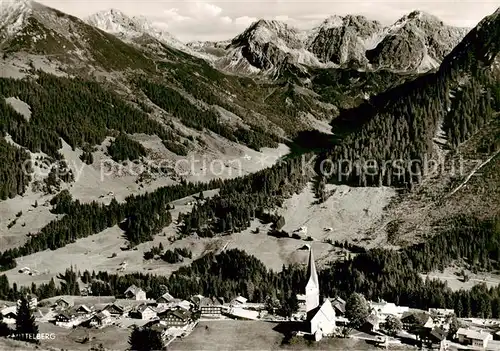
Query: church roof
325, 312
311, 272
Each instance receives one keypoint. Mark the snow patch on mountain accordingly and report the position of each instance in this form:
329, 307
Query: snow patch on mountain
13, 15
129, 28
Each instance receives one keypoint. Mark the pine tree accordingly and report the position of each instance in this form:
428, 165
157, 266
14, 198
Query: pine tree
146, 339
26, 328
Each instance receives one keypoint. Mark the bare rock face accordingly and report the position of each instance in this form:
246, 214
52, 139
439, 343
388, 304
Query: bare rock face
266, 46
416, 42
343, 39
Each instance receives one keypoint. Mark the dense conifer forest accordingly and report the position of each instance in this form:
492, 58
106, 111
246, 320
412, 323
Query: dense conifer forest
401, 123
143, 216
123, 148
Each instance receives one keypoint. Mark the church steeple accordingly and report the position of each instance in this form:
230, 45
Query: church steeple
312, 287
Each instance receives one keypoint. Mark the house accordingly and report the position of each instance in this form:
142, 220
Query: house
384, 309
101, 319
82, 310
9, 314
62, 304
166, 298
338, 305
210, 308
32, 301
411, 320
240, 301
184, 304
145, 312
177, 318
371, 324
135, 293
114, 310
67, 320
473, 337
441, 312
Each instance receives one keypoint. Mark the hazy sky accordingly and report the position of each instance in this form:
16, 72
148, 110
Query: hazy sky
218, 20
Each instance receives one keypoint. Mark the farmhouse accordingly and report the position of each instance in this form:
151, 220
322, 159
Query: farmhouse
384, 309
178, 318
115, 310
135, 293
62, 304
83, 310
145, 312
9, 314
413, 320
101, 319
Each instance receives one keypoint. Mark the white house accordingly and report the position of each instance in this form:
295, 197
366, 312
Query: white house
473, 337
145, 312
9, 314
240, 301
101, 319
135, 293
384, 309
32, 301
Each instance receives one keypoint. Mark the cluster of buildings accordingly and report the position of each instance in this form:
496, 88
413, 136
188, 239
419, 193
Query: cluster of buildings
430, 329
318, 318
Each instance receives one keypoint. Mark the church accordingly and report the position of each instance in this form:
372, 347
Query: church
320, 319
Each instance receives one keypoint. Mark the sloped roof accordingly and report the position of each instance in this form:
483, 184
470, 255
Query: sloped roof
438, 333
473, 334
167, 297
133, 289
102, 315
84, 307
326, 311
114, 306
143, 308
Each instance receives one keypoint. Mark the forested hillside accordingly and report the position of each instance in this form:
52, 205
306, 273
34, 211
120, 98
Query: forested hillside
144, 216
400, 124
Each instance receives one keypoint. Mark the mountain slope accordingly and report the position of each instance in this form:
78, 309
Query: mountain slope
403, 123
267, 46
32, 28
415, 43
344, 39
418, 41
134, 29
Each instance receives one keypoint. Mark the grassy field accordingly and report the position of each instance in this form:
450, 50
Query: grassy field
253, 335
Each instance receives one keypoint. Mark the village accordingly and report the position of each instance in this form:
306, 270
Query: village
386, 323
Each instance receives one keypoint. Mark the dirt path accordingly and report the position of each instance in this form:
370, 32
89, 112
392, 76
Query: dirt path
474, 172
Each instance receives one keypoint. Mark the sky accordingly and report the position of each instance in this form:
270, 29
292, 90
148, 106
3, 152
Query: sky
191, 20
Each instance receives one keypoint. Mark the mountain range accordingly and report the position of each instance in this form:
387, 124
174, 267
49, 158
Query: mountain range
416, 42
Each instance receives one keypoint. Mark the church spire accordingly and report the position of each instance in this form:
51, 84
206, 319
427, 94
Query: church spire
311, 270
312, 287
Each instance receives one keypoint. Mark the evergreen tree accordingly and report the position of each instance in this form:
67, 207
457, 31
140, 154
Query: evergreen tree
26, 328
146, 339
